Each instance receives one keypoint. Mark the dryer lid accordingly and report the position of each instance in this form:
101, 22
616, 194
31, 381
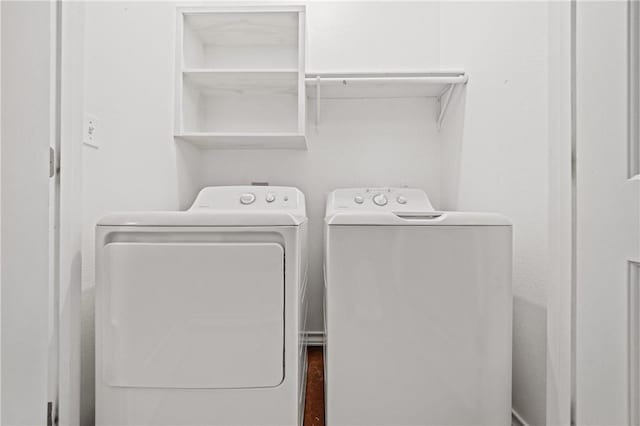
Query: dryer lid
397, 206
225, 206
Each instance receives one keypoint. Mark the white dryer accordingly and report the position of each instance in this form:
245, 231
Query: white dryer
417, 312
199, 313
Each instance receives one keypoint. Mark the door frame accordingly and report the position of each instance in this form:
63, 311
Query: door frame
633, 135
71, 59
562, 232
607, 176
56, 378
29, 129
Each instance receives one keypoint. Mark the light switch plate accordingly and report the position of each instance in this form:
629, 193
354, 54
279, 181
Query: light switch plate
90, 132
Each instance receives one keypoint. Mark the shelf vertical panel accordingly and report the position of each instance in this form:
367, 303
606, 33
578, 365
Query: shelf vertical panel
302, 96
179, 63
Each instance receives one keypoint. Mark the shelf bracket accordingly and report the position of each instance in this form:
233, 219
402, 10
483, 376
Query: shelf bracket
317, 104
444, 100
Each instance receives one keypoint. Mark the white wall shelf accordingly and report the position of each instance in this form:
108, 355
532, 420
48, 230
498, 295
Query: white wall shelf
241, 81
372, 85
240, 77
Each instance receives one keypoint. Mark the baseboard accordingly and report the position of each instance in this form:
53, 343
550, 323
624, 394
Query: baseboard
516, 419
313, 338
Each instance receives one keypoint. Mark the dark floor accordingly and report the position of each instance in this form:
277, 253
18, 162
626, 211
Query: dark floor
314, 399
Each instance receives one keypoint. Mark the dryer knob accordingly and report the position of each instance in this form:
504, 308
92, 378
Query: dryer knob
401, 200
380, 200
358, 199
247, 198
271, 197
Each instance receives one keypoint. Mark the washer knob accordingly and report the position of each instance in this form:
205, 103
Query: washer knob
271, 197
380, 200
401, 200
247, 198
359, 199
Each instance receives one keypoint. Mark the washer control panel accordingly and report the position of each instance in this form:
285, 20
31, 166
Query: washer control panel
389, 199
249, 197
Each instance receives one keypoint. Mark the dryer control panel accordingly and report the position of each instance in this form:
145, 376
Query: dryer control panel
379, 199
249, 197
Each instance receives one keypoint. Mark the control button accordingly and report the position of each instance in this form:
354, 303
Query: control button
380, 200
271, 197
359, 199
247, 198
401, 200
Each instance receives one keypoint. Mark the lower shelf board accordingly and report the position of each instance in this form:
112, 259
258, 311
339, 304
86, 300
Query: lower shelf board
245, 140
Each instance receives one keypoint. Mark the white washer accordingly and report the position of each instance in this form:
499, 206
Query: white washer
417, 312
199, 313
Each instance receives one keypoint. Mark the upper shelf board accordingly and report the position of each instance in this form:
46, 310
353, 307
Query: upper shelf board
247, 28
382, 84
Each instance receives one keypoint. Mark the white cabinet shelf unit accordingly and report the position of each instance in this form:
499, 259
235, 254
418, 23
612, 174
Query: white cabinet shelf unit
240, 78
367, 85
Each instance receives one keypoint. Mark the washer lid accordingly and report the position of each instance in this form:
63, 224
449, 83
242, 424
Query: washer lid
397, 206
225, 206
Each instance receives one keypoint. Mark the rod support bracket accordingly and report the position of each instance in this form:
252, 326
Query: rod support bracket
317, 104
444, 100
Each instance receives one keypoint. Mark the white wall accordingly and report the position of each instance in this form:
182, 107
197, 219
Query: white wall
502, 117
496, 158
372, 35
